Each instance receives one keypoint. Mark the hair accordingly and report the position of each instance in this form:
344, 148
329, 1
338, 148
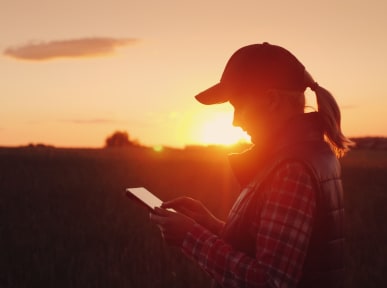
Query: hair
331, 120
296, 98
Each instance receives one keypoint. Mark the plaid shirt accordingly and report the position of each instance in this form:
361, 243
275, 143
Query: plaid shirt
282, 226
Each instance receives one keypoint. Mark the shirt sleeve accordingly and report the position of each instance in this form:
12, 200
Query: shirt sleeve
283, 228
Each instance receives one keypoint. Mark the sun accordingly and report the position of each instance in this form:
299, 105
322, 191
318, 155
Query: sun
218, 130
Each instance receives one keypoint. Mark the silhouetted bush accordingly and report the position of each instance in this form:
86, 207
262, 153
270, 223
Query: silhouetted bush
120, 139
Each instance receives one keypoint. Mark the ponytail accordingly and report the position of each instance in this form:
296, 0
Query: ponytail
331, 119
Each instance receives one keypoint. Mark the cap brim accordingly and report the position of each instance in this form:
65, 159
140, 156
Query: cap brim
213, 95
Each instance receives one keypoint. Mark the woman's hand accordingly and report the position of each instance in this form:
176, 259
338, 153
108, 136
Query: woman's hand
195, 210
173, 226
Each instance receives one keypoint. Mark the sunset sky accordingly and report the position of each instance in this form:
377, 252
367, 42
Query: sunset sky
72, 72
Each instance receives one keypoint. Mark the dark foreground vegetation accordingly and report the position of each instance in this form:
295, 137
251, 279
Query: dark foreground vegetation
65, 222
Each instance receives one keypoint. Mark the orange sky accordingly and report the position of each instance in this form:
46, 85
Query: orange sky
72, 72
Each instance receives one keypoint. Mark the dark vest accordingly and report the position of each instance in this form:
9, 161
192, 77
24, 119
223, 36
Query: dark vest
324, 264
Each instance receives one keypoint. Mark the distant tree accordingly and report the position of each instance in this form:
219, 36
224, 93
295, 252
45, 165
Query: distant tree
120, 139
39, 145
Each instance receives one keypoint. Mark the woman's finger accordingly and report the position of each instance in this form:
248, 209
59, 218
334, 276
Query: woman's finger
184, 200
158, 219
173, 203
179, 202
162, 212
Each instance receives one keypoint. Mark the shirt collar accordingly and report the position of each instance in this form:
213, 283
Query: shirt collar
300, 129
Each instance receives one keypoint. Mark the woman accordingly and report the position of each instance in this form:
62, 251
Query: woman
286, 227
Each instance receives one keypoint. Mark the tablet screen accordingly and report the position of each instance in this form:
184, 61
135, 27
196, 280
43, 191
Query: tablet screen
146, 197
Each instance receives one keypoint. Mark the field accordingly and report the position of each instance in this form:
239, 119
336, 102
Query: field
65, 222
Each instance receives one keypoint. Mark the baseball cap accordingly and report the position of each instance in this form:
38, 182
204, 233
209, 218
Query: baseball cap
256, 67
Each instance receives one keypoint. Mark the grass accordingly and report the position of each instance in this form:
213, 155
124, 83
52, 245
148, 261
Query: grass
65, 222
365, 183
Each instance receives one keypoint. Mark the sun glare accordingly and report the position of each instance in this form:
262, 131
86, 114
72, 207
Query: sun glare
220, 131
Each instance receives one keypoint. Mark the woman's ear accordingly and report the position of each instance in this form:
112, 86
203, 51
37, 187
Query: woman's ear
273, 100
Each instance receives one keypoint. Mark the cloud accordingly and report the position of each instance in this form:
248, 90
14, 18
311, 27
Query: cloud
73, 48
92, 121
89, 121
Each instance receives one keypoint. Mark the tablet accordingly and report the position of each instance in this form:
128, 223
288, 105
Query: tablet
144, 197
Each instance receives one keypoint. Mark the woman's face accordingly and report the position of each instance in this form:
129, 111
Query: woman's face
251, 114
262, 114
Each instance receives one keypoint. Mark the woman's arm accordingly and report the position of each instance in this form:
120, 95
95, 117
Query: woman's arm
283, 229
